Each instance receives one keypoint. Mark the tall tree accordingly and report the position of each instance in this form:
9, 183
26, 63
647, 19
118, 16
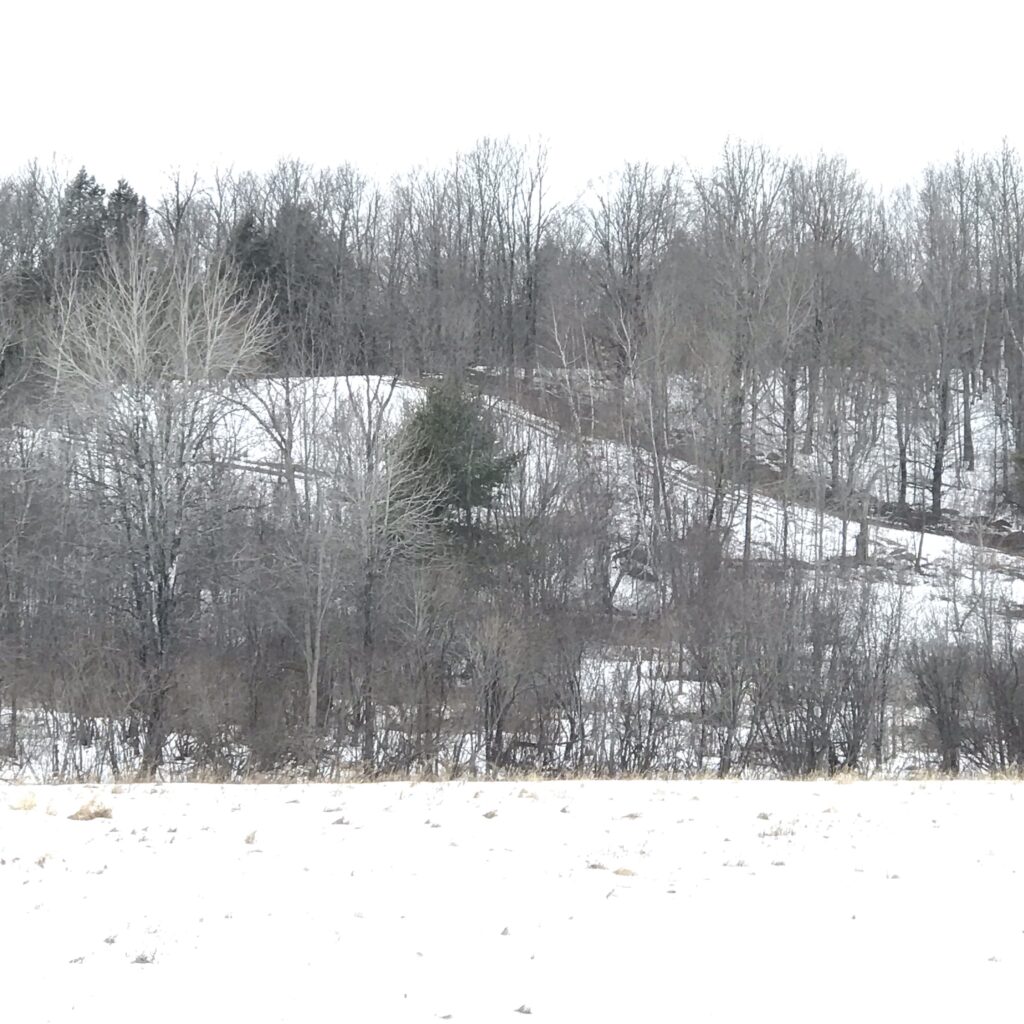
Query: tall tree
141, 359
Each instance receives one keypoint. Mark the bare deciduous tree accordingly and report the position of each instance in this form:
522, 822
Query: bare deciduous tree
140, 360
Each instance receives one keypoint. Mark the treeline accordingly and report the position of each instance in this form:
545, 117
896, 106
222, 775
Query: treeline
225, 536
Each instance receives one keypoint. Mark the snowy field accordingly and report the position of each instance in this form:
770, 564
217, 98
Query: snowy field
565, 901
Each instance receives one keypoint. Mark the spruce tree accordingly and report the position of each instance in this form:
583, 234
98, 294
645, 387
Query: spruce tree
449, 444
126, 215
83, 224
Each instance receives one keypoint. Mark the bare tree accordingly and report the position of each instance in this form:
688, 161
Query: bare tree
140, 361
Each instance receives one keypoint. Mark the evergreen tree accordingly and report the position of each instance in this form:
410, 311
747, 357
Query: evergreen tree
251, 253
127, 215
450, 444
83, 225
305, 289
288, 262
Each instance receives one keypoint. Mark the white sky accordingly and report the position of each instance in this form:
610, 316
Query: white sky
138, 88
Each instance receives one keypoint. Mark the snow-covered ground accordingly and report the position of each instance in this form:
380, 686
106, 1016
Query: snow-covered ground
567, 901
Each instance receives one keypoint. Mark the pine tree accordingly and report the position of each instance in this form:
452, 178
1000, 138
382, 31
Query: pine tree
451, 445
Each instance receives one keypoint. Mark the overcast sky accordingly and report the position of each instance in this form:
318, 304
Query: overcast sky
136, 89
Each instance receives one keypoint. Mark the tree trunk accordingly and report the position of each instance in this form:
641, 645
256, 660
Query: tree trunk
312, 639
14, 722
737, 401
941, 440
968, 459
835, 435
748, 519
902, 441
155, 732
367, 709
812, 409
863, 535
789, 421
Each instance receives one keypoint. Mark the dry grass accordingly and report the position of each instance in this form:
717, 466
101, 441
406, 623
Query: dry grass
91, 809
777, 833
350, 776
25, 803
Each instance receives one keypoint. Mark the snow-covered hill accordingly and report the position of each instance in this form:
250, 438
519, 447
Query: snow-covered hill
634, 694
967, 557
